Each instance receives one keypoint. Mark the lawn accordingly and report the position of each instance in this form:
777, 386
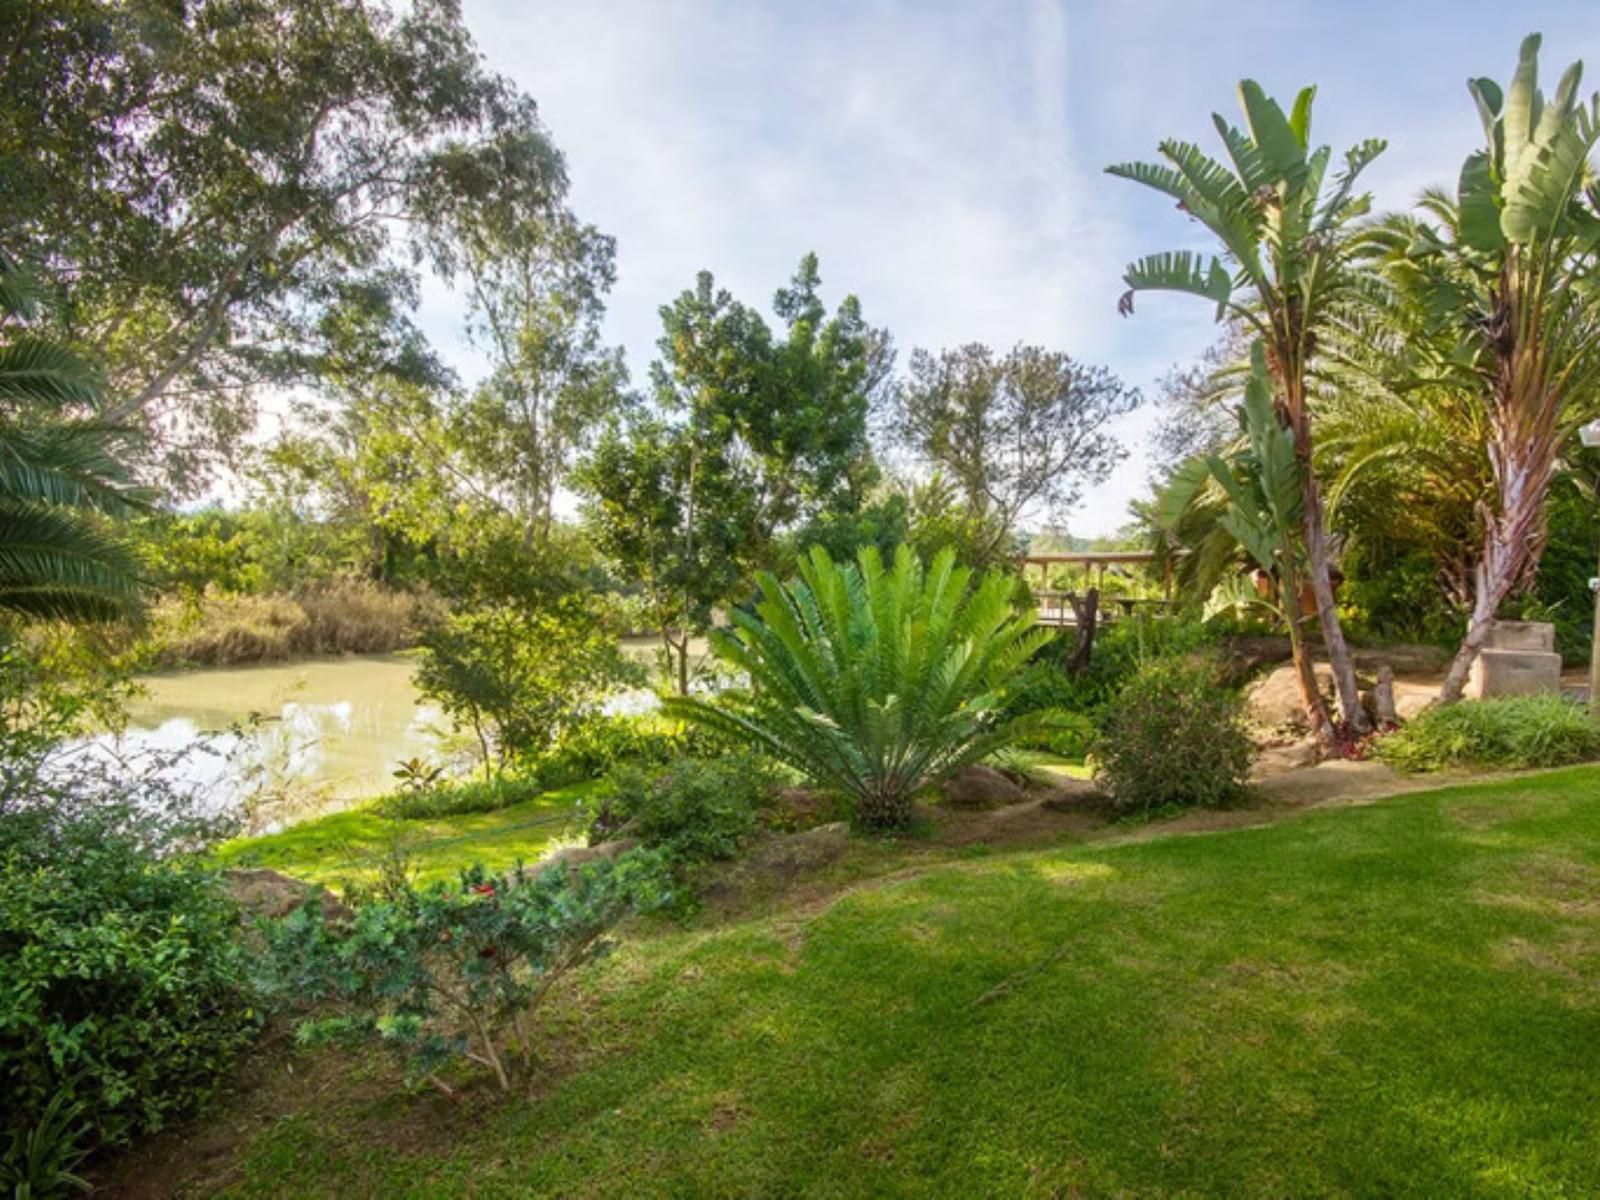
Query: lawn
348, 846
1394, 999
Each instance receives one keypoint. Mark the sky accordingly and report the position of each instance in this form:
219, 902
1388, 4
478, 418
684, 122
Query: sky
945, 161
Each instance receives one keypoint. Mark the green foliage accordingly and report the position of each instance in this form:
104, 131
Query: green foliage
232, 188
517, 676
877, 682
456, 797
1026, 432
594, 746
1507, 733
1121, 649
442, 973
41, 1161
63, 474
695, 811
1397, 596
121, 983
1173, 736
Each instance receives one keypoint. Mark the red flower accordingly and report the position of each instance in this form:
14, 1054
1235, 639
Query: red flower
487, 952
484, 889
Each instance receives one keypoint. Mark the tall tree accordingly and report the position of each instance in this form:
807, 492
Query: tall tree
1028, 431
1285, 268
537, 293
1507, 276
209, 180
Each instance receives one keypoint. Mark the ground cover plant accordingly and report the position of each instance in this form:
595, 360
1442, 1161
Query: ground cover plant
1170, 1015
351, 847
694, 811
877, 681
1505, 732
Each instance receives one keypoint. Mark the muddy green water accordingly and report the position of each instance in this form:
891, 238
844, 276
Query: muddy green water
331, 729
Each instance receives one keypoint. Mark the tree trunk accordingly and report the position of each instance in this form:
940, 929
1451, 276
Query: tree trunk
1086, 613
1339, 660
1304, 668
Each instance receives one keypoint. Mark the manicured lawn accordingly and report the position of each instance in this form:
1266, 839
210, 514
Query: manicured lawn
1396, 999
348, 846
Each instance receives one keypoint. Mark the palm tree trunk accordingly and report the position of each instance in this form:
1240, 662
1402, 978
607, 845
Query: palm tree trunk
1304, 668
1339, 660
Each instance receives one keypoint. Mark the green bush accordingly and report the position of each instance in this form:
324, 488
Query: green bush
1511, 732
455, 798
877, 682
1172, 737
443, 973
591, 748
121, 982
695, 811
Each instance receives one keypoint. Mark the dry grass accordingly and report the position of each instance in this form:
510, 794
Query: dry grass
340, 616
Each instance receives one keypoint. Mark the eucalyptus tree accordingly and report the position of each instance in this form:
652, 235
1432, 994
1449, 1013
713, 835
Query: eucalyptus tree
1284, 269
212, 182
1506, 273
1028, 430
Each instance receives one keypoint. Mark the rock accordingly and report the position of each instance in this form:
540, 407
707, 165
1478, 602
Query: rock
794, 853
1274, 699
1241, 658
980, 787
799, 808
1289, 756
1409, 703
573, 857
262, 892
1383, 711
1404, 659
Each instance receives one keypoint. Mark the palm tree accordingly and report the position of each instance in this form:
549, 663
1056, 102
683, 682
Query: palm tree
61, 476
1250, 500
877, 682
1507, 270
1284, 270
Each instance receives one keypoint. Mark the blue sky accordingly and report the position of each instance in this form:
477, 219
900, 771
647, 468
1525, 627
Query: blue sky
945, 160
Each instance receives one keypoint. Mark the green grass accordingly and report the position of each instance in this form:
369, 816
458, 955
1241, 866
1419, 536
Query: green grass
1394, 999
346, 847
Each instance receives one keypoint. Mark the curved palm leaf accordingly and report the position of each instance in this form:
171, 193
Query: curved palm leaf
877, 681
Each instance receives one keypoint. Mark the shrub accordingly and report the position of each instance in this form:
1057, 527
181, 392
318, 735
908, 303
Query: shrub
121, 984
696, 811
593, 747
519, 677
876, 682
457, 797
443, 973
1173, 736
1511, 732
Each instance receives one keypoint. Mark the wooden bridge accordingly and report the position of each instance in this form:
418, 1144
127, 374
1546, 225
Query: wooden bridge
1055, 607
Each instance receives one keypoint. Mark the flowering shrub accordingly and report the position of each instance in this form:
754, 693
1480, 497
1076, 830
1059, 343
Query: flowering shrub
451, 972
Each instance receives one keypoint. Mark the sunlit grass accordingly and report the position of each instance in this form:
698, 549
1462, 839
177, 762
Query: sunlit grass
1396, 999
348, 847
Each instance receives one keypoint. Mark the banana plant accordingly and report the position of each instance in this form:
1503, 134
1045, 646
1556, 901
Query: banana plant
1285, 267
1506, 273
1255, 498
877, 682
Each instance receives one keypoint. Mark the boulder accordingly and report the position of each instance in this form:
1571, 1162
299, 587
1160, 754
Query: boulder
796, 853
1288, 756
573, 857
980, 787
262, 892
799, 808
1274, 700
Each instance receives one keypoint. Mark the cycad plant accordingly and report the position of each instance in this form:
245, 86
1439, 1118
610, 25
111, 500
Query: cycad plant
1507, 274
875, 681
60, 475
1284, 271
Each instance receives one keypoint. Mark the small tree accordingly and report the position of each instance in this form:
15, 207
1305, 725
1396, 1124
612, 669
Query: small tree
516, 676
877, 682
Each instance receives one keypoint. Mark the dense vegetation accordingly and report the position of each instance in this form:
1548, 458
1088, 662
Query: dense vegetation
213, 204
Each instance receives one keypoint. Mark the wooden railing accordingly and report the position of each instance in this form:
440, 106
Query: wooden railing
1054, 605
